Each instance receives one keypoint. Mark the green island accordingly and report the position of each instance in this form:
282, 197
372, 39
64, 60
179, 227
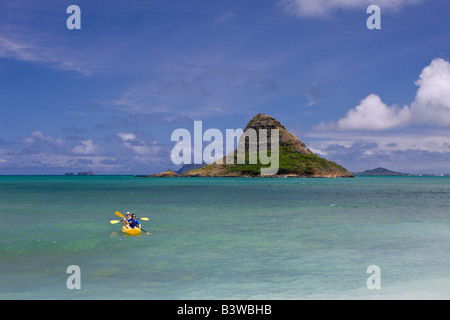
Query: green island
295, 159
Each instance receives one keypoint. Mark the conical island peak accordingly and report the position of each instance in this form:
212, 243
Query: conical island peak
293, 158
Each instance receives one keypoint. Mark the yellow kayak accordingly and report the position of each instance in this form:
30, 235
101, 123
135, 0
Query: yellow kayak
131, 232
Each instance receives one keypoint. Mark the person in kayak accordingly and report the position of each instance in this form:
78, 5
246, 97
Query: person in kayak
126, 220
133, 222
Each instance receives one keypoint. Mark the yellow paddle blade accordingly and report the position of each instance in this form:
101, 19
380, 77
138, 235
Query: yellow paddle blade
145, 219
114, 221
119, 214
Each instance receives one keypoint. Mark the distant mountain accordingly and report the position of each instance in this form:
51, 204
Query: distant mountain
189, 167
380, 172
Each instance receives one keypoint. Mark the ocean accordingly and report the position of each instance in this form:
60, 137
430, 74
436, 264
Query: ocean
225, 238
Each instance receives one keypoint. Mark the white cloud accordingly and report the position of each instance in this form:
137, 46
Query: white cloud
26, 50
405, 151
37, 136
40, 153
323, 8
130, 141
431, 105
432, 102
36, 140
373, 114
66, 161
127, 136
430, 140
85, 147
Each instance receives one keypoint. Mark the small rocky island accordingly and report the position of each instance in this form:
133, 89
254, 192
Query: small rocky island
295, 159
381, 172
84, 173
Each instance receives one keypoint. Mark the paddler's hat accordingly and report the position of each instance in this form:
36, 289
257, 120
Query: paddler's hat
128, 213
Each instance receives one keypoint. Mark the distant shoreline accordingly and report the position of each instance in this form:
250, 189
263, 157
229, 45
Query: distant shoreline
148, 176
297, 177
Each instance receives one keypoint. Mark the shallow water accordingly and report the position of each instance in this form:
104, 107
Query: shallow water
225, 238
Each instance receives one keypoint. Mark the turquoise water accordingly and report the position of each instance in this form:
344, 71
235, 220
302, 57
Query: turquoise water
225, 238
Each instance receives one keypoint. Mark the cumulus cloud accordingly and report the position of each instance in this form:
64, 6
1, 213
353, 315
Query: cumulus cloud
124, 153
374, 114
131, 141
406, 151
37, 136
323, 8
85, 147
431, 105
432, 102
37, 140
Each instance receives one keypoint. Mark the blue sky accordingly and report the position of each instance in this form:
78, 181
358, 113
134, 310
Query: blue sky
107, 97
